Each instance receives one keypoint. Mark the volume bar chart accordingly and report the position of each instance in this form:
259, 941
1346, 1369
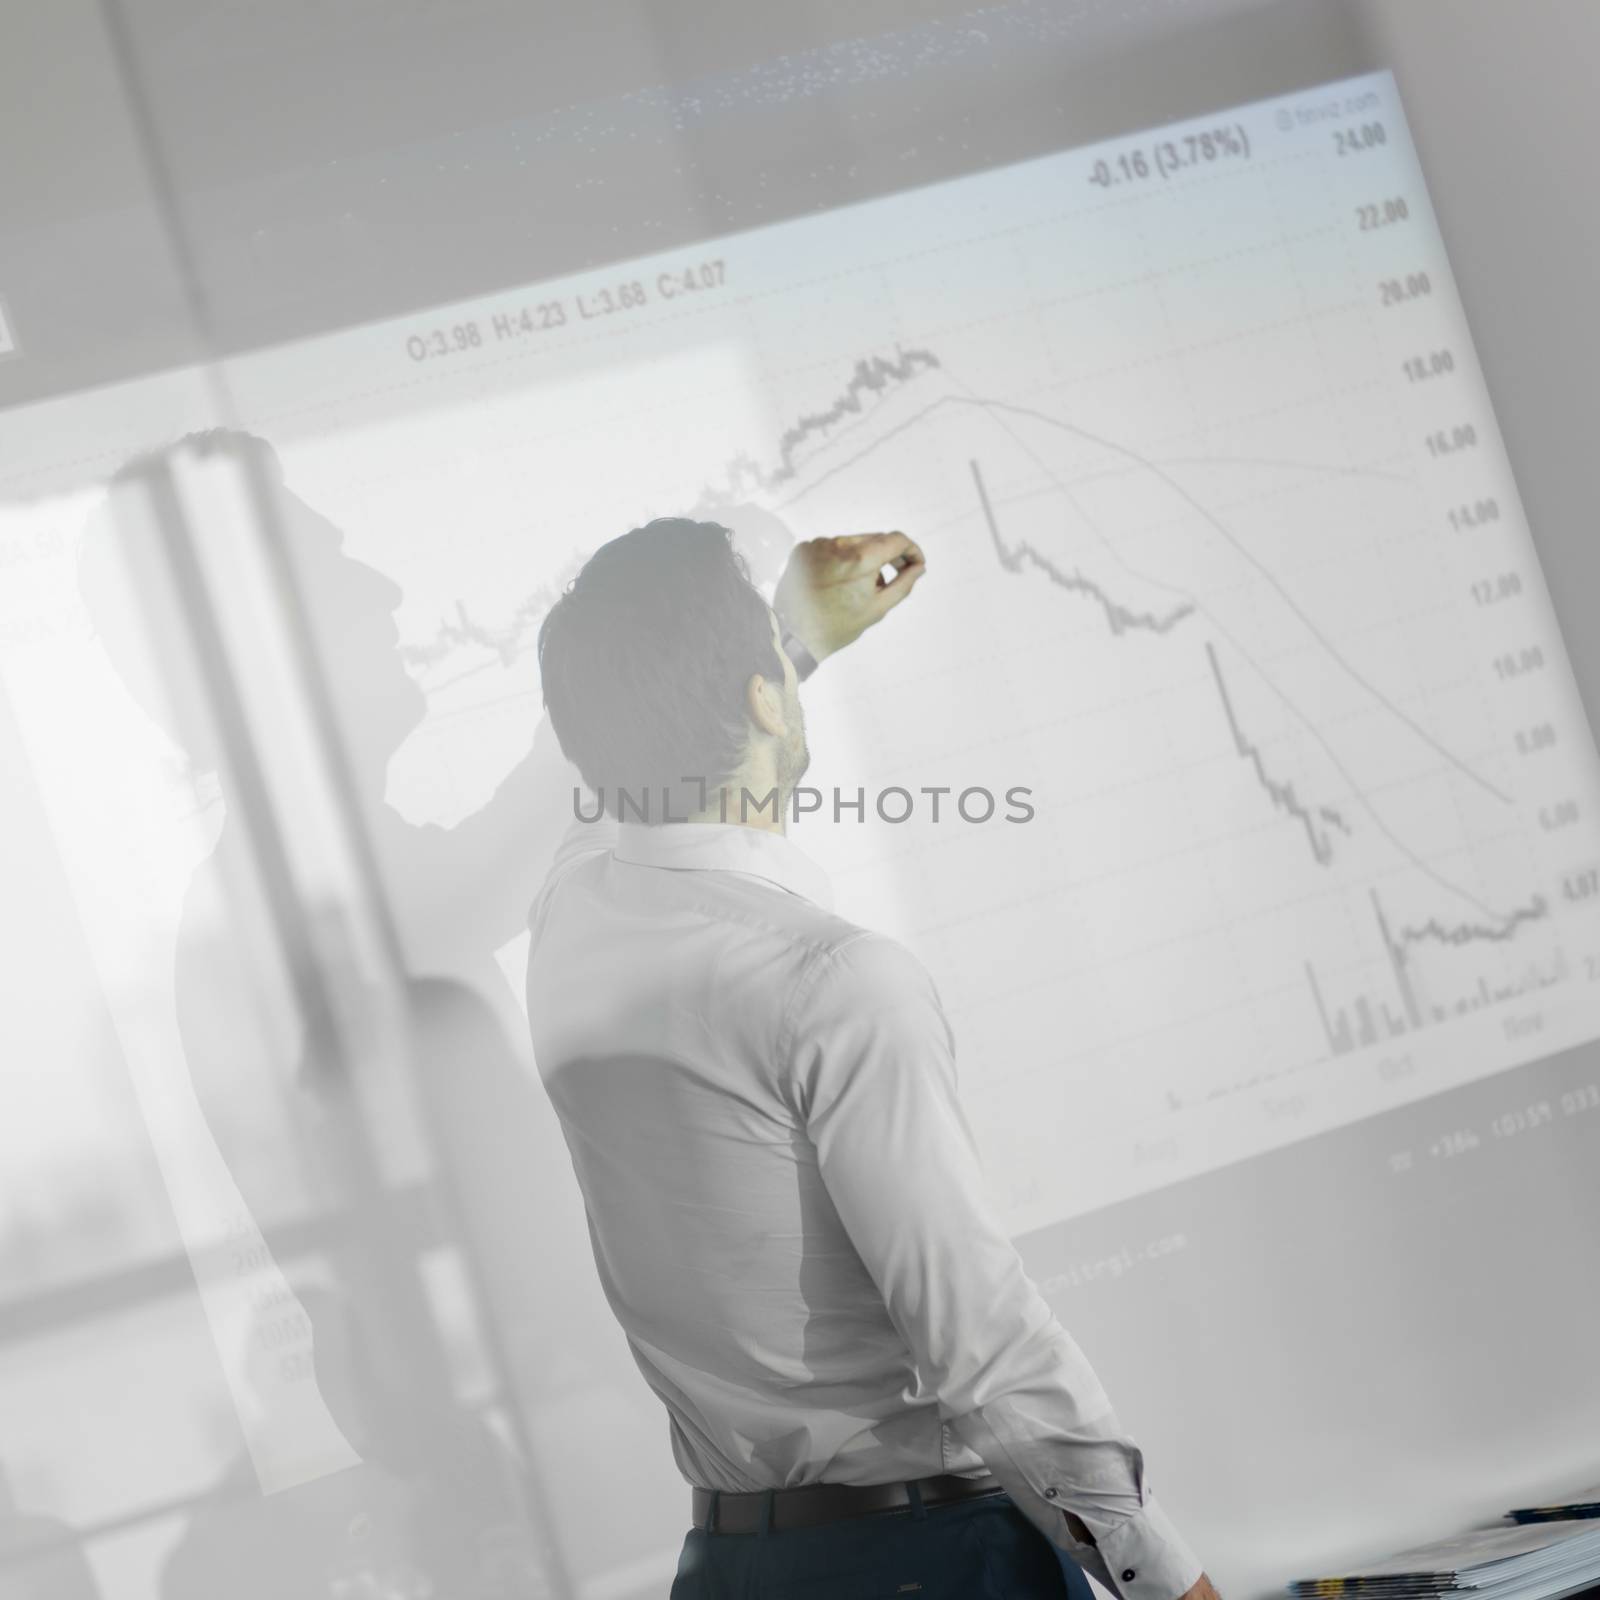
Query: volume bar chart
1369, 1019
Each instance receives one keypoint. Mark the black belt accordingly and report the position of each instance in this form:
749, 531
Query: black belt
778, 1510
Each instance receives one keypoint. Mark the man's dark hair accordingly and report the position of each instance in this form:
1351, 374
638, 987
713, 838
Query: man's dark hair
645, 659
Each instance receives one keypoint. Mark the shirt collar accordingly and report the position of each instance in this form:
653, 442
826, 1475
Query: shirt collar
725, 847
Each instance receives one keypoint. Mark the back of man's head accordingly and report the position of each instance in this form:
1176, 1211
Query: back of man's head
647, 657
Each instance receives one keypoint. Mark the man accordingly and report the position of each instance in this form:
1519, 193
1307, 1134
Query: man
865, 1390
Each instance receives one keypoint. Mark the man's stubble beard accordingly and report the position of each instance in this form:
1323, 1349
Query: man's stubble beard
794, 758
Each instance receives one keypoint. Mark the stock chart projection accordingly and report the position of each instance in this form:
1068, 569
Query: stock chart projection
1226, 566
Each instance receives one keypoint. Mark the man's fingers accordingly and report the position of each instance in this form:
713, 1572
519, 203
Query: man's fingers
910, 556
869, 551
893, 591
899, 562
887, 555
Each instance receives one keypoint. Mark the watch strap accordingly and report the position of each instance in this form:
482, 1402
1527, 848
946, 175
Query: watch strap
804, 662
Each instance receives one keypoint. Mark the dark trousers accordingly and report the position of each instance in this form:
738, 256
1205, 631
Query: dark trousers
972, 1550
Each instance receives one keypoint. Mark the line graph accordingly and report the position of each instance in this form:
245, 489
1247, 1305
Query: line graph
1477, 933
1001, 407
870, 380
1317, 631
1211, 572
873, 375
1312, 727
507, 642
1282, 794
1018, 556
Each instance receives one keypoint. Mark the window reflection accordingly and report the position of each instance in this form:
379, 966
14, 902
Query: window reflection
243, 1340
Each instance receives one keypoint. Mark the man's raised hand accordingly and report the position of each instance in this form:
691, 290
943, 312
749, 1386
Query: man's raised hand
833, 590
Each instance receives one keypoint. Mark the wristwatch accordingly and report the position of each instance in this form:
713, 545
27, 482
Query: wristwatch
804, 662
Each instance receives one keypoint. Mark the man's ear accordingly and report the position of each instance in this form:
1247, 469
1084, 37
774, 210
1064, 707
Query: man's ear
763, 701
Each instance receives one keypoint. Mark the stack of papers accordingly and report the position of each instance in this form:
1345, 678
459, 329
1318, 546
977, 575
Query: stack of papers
1586, 1503
1535, 1561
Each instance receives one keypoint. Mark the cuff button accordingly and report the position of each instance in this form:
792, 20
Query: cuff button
1128, 1574
1050, 1494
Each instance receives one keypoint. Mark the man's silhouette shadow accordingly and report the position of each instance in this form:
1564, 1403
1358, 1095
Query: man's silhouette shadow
279, 1122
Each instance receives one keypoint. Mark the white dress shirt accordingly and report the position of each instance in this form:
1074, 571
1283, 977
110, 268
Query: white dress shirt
784, 1199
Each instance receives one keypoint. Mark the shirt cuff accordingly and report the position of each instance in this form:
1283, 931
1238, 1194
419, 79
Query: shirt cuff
1146, 1557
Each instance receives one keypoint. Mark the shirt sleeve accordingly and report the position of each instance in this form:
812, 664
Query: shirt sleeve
874, 1080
